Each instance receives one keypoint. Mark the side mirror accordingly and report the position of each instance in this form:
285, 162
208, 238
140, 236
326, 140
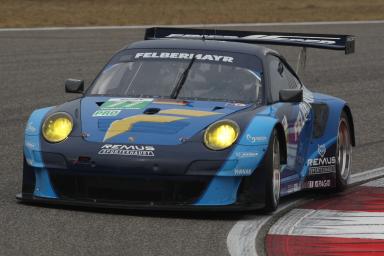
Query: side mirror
74, 86
291, 95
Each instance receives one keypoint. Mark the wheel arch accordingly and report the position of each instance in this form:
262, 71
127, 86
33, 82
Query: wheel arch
283, 143
348, 112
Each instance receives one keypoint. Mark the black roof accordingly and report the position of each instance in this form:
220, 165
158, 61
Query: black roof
197, 44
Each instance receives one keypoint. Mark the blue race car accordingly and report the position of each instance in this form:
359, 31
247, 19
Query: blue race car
191, 119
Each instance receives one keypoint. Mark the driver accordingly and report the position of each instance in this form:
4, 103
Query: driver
200, 82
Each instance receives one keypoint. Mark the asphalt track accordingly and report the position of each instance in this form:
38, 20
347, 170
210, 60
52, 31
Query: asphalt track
33, 67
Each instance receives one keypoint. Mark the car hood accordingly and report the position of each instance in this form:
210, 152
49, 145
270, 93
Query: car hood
149, 121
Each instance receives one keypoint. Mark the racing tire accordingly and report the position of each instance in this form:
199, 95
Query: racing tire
273, 167
343, 153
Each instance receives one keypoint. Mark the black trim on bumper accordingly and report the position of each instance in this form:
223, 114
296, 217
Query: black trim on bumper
29, 198
29, 180
133, 189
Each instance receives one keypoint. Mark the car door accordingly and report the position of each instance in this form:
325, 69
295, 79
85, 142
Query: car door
294, 116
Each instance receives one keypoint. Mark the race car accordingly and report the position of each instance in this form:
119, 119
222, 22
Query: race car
191, 119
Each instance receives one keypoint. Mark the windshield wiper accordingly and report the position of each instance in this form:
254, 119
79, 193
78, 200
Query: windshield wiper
183, 78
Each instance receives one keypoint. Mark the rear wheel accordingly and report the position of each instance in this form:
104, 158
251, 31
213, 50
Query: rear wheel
273, 166
343, 153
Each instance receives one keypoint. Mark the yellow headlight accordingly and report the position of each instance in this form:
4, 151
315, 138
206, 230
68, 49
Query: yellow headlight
221, 134
57, 127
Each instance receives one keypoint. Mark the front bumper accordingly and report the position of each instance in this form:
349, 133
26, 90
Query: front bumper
74, 172
157, 192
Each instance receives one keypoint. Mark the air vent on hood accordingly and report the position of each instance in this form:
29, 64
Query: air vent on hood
151, 111
217, 108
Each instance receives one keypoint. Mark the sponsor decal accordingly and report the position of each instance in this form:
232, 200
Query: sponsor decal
304, 39
300, 121
29, 161
322, 161
284, 122
106, 112
85, 134
246, 154
181, 55
254, 139
241, 172
302, 116
30, 145
322, 149
125, 103
127, 150
322, 170
30, 128
293, 187
318, 183
235, 104
322, 164
183, 139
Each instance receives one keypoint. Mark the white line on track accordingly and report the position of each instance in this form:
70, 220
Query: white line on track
197, 25
330, 223
241, 239
367, 175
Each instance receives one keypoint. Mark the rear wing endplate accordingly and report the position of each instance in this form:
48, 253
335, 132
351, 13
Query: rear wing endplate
345, 43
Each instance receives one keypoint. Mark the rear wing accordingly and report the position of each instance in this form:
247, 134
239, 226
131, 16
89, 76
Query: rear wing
344, 43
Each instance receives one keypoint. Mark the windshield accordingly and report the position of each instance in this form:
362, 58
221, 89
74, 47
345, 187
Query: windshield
219, 76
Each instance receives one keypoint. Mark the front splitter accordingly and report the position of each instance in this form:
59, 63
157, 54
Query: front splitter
29, 198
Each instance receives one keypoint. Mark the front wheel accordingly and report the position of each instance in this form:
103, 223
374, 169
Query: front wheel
273, 166
343, 153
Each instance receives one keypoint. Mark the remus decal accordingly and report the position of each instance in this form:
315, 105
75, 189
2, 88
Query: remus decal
127, 150
322, 164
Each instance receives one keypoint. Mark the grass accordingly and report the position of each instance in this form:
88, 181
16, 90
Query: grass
40, 13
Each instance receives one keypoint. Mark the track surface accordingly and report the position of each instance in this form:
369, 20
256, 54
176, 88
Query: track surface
33, 67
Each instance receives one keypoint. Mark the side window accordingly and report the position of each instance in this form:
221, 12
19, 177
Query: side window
281, 78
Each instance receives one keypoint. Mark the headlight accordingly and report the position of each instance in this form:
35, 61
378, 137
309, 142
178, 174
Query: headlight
221, 134
57, 127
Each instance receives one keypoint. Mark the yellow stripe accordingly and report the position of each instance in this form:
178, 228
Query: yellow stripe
124, 125
187, 112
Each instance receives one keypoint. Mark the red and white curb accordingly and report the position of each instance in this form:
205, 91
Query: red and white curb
349, 223
241, 239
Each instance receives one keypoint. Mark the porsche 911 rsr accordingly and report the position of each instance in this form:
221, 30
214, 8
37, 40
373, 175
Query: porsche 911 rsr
191, 119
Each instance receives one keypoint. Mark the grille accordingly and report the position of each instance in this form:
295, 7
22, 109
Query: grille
150, 189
